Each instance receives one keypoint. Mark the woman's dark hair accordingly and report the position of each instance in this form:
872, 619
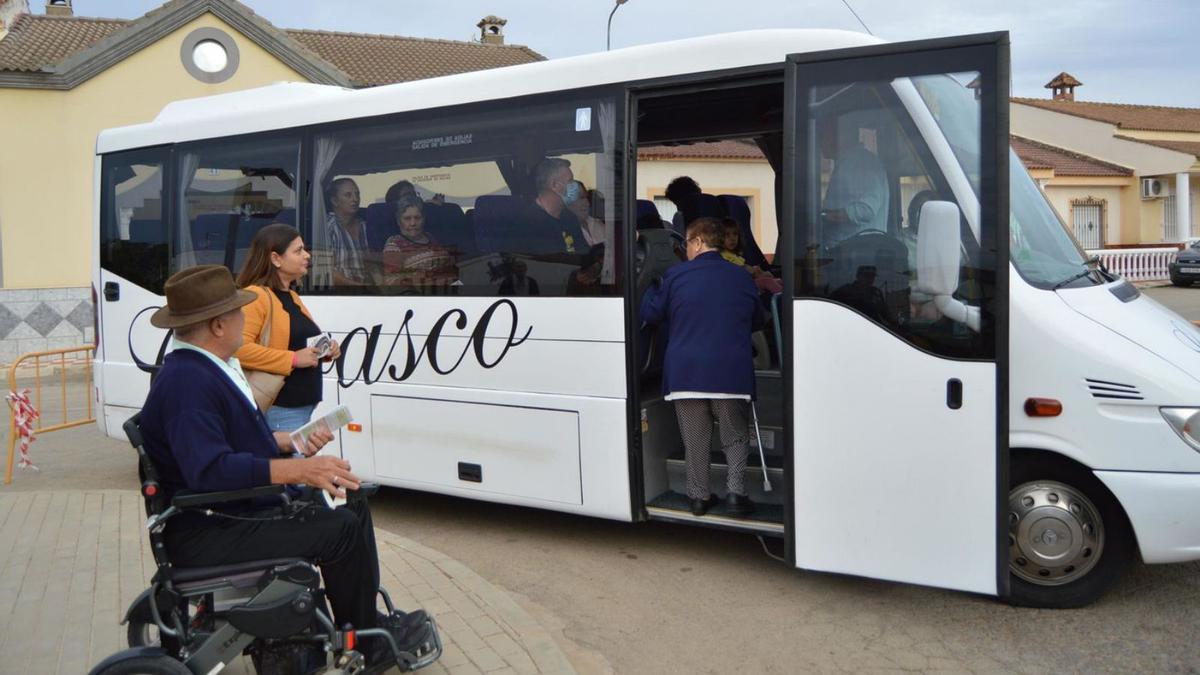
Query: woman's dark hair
258, 270
398, 188
709, 230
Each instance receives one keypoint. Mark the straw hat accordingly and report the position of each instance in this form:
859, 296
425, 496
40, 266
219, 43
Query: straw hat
199, 293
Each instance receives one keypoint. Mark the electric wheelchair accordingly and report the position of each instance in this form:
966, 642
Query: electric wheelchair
199, 620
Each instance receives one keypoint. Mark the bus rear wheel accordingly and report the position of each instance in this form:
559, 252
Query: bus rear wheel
1068, 539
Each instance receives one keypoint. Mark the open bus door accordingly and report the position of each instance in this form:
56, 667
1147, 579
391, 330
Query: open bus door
896, 266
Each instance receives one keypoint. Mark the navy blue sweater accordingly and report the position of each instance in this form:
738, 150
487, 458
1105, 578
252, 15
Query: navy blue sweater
710, 306
201, 432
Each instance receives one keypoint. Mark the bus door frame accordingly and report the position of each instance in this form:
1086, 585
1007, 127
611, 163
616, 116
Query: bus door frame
989, 54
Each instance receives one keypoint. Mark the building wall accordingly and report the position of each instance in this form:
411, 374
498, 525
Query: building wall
1061, 194
46, 180
754, 178
46, 169
1095, 139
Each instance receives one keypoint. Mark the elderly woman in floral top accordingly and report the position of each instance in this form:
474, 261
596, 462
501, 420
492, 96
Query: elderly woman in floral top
414, 257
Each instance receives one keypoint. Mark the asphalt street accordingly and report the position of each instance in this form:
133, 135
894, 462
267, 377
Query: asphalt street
659, 598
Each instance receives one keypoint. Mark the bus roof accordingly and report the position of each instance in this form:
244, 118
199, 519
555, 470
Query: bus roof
291, 104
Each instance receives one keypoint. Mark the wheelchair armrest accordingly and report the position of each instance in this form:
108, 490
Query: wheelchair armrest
186, 500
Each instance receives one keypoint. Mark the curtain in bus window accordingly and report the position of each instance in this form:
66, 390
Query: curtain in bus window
188, 163
325, 151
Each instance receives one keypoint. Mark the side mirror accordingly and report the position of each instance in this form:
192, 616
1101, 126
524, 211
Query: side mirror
939, 261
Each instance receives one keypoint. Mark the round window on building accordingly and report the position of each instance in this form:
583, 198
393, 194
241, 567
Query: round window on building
209, 55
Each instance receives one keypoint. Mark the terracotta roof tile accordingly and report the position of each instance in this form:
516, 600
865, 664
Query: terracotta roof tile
1036, 155
1190, 147
714, 150
383, 59
38, 41
1125, 116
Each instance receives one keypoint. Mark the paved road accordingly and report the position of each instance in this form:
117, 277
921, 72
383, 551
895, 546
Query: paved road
661, 598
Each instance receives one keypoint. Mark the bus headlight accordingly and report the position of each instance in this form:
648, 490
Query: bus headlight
1186, 423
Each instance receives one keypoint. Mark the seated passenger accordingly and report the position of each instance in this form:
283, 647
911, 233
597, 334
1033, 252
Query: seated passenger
346, 234
731, 244
516, 279
414, 257
586, 281
404, 188
204, 433
857, 197
585, 210
548, 227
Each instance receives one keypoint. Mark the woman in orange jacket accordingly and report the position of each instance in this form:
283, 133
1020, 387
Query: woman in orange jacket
277, 260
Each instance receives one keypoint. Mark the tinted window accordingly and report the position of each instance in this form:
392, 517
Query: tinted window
470, 203
133, 227
230, 190
871, 174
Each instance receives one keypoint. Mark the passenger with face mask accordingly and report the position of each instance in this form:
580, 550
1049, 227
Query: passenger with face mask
548, 225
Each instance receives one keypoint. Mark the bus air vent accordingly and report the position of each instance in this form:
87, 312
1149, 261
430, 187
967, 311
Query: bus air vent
1113, 390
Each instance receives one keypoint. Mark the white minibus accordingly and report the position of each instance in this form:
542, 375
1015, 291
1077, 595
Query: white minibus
949, 392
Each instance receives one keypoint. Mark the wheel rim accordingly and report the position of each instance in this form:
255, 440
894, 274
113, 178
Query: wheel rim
1055, 533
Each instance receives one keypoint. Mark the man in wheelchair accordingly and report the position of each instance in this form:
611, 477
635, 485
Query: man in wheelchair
237, 510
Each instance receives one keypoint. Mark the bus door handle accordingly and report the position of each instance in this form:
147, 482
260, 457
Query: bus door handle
954, 393
112, 291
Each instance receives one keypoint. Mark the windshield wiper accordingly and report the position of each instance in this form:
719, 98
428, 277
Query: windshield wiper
1094, 260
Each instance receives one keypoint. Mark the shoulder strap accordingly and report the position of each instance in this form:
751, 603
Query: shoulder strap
264, 336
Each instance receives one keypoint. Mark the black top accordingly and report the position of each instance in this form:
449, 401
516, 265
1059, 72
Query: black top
303, 386
542, 233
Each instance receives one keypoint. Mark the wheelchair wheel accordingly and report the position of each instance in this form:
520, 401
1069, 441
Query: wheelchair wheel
142, 634
136, 662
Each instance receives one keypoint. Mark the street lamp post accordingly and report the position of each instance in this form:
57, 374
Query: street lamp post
608, 41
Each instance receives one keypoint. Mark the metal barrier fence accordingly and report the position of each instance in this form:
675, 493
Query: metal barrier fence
62, 363
1137, 264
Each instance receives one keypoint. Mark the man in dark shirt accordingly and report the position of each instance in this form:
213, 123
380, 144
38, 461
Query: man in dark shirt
548, 226
204, 433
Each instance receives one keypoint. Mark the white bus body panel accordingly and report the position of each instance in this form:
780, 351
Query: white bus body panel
889, 482
1164, 509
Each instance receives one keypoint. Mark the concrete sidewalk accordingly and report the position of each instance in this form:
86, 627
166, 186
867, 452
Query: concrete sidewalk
71, 561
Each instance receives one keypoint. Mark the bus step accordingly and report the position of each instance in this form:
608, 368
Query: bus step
677, 479
672, 506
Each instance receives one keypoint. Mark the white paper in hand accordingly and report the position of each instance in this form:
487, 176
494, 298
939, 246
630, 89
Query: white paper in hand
331, 422
323, 343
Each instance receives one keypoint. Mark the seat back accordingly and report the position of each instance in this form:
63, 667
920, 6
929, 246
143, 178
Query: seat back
210, 231
648, 217
497, 221
451, 228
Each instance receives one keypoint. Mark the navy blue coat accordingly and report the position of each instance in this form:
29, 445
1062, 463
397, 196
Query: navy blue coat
201, 431
709, 306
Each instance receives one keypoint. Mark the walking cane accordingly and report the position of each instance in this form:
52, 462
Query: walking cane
761, 457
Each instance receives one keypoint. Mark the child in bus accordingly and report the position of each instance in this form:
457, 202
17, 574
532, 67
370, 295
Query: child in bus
731, 245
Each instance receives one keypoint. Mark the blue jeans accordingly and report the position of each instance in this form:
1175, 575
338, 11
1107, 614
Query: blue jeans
289, 419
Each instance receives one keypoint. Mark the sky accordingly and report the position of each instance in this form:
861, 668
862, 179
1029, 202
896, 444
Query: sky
1124, 51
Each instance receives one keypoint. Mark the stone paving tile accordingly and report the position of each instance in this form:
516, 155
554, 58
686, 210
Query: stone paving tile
88, 551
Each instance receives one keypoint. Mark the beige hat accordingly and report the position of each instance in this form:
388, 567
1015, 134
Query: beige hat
199, 293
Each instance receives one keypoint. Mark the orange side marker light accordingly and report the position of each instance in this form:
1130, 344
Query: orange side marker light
1043, 407
354, 427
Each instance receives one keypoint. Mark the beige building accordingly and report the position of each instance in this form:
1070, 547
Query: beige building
1128, 174
64, 78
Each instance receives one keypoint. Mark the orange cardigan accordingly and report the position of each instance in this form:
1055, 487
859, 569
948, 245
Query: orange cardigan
275, 357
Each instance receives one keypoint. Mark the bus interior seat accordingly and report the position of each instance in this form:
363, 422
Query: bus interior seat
876, 257
702, 205
147, 231
496, 221
762, 352
286, 216
210, 231
447, 224
648, 217
248, 227
737, 208
380, 224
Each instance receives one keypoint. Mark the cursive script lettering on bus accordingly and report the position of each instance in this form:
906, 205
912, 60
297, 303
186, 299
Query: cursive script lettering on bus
145, 366
432, 348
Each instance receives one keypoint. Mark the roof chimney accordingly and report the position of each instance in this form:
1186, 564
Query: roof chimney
1063, 87
491, 30
10, 11
59, 8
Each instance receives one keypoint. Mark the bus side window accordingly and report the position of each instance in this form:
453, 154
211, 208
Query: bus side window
133, 229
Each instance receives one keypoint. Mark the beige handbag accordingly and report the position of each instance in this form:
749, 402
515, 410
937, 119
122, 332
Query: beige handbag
264, 385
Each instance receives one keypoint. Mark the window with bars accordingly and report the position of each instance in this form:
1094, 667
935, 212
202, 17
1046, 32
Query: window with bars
1088, 217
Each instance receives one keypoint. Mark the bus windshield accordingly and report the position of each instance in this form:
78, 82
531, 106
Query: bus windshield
1041, 248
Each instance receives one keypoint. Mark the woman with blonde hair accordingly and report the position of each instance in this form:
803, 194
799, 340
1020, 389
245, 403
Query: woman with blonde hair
277, 260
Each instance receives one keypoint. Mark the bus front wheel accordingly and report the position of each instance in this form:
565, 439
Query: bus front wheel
1068, 539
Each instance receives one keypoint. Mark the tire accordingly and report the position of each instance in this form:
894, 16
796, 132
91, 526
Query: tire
142, 634
133, 662
1069, 539
1180, 283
